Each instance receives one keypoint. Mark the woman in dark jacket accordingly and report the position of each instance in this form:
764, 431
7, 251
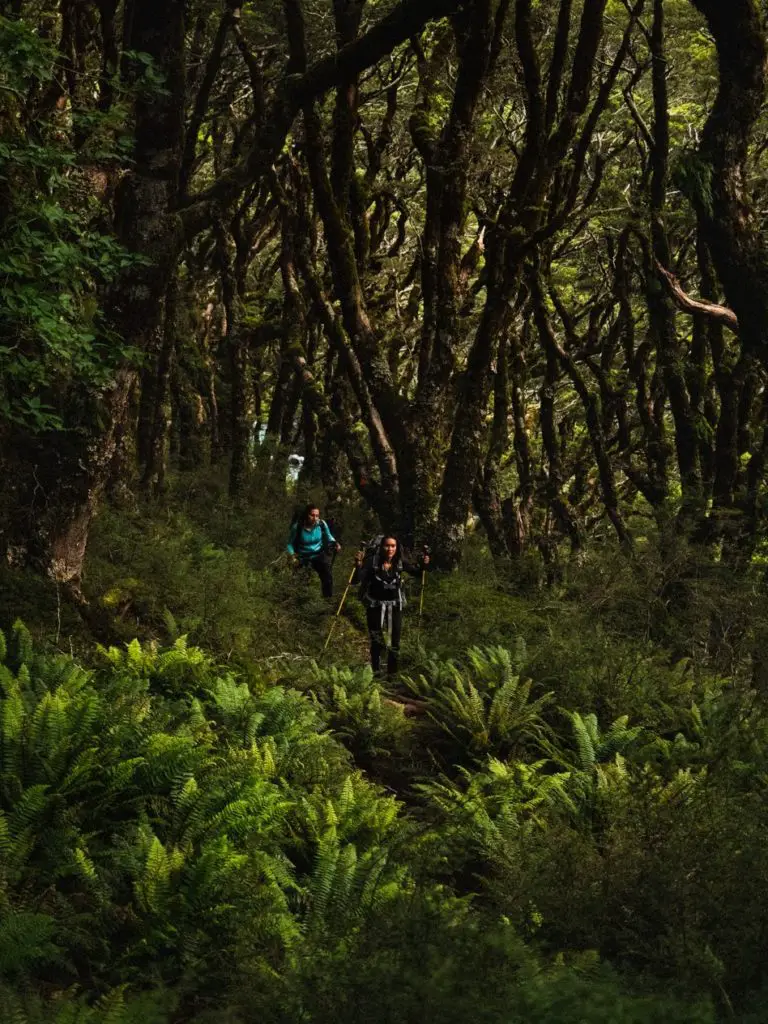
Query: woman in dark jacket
381, 591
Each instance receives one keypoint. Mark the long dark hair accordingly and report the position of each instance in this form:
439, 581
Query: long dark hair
397, 560
307, 509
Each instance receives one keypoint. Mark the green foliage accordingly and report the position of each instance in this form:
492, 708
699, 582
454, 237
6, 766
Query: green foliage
161, 577
482, 705
503, 850
53, 256
358, 711
693, 176
485, 815
172, 834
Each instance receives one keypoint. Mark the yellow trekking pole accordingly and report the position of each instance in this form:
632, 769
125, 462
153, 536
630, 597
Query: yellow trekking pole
335, 618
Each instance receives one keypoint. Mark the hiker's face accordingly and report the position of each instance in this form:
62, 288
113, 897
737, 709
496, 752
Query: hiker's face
313, 516
389, 547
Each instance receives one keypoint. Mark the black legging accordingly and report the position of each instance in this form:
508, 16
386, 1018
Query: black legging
322, 564
378, 642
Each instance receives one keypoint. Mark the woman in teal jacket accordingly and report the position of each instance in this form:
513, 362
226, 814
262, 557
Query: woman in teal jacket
310, 542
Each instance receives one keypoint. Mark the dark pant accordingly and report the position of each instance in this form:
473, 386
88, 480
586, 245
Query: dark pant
322, 565
378, 640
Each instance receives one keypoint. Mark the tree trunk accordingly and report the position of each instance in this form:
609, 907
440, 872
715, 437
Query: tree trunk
157, 460
660, 308
560, 510
463, 462
51, 495
67, 472
592, 414
448, 162
731, 230
236, 344
487, 497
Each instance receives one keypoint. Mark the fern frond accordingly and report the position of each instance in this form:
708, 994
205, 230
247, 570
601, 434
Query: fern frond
25, 940
324, 873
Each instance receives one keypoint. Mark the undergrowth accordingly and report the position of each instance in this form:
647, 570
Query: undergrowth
179, 844
555, 813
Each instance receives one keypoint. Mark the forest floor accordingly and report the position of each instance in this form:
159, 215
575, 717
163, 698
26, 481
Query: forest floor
587, 769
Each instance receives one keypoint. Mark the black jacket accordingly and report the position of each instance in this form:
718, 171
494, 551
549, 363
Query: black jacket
375, 586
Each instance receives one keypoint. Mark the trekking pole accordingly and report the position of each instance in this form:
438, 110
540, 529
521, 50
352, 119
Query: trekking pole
335, 618
421, 596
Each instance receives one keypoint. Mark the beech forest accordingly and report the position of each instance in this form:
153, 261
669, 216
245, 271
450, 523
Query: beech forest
384, 511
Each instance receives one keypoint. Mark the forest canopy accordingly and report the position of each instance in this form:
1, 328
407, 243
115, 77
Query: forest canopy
489, 276
492, 259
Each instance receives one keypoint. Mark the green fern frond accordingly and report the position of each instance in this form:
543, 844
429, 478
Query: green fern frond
343, 882
134, 654
12, 1009
324, 874
171, 626
23, 642
585, 733
111, 1007
160, 865
85, 864
25, 940
29, 809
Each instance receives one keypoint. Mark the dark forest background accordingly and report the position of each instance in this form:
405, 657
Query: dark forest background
496, 272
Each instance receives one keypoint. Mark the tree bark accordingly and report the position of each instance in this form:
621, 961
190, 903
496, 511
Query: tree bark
67, 473
153, 478
447, 160
487, 498
720, 193
523, 223
591, 410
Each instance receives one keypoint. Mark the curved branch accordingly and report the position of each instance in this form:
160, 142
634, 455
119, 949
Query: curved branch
721, 314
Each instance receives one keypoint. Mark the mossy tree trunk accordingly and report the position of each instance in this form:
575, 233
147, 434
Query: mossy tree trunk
728, 221
562, 116
64, 473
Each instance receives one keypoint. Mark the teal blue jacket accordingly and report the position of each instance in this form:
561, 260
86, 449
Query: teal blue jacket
308, 543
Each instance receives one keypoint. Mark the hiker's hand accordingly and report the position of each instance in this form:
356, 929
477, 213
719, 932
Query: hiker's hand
425, 559
338, 547
293, 561
359, 559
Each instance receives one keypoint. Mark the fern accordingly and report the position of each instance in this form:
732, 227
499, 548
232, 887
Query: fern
596, 764
26, 940
324, 874
171, 625
23, 643
489, 809
483, 706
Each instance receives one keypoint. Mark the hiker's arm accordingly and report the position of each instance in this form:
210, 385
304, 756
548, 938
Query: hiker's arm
416, 568
292, 539
330, 539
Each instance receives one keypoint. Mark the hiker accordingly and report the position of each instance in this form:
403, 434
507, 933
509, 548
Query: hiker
310, 542
381, 591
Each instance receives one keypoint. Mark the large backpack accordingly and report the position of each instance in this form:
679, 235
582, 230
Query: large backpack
372, 546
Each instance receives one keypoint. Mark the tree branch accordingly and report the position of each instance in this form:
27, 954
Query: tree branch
721, 314
406, 19
202, 99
